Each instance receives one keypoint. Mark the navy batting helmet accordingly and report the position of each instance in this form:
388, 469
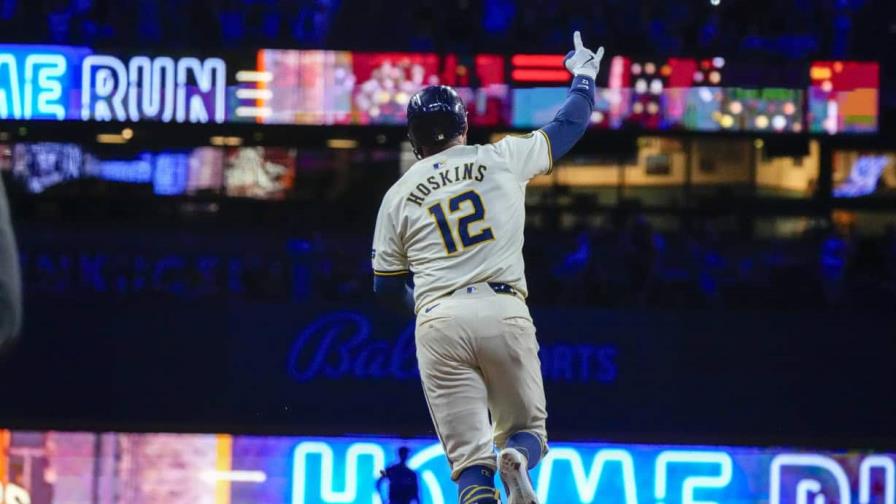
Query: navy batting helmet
436, 115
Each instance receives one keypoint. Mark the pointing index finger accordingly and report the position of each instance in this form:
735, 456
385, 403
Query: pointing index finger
577, 41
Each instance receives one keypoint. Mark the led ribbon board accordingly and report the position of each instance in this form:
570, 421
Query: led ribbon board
72, 83
39, 82
345, 471
190, 468
324, 87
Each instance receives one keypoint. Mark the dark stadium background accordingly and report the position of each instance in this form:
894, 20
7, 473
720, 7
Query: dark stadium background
733, 312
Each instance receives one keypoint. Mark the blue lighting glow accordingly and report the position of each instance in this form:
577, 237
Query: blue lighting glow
345, 470
38, 82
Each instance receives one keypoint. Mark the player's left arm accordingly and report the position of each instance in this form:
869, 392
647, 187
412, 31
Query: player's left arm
392, 278
396, 291
571, 121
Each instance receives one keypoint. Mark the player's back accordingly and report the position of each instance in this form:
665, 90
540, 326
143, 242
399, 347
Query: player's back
457, 218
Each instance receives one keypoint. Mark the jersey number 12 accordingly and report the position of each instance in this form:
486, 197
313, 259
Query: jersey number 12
463, 223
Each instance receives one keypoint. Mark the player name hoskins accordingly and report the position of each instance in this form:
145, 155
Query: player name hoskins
444, 178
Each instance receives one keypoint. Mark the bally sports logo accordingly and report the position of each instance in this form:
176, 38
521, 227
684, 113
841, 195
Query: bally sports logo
344, 344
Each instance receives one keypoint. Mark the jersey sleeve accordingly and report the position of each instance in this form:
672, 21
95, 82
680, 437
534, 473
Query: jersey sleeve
527, 155
388, 255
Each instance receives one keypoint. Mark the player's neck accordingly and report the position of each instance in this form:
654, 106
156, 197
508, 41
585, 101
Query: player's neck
427, 152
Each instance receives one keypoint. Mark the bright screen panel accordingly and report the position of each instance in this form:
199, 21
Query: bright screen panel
119, 468
844, 97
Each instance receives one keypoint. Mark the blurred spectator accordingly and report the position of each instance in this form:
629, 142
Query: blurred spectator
10, 287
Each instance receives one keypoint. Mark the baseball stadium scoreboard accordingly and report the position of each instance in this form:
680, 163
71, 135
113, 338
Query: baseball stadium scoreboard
111, 468
326, 87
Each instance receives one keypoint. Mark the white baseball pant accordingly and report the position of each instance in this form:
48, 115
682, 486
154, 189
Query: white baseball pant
478, 354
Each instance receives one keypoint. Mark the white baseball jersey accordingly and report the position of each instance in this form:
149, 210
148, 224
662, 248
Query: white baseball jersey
456, 218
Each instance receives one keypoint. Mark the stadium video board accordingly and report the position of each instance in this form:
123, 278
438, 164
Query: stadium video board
239, 171
679, 94
117, 468
326, 87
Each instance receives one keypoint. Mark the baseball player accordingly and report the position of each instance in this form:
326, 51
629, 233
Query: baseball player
455, 222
